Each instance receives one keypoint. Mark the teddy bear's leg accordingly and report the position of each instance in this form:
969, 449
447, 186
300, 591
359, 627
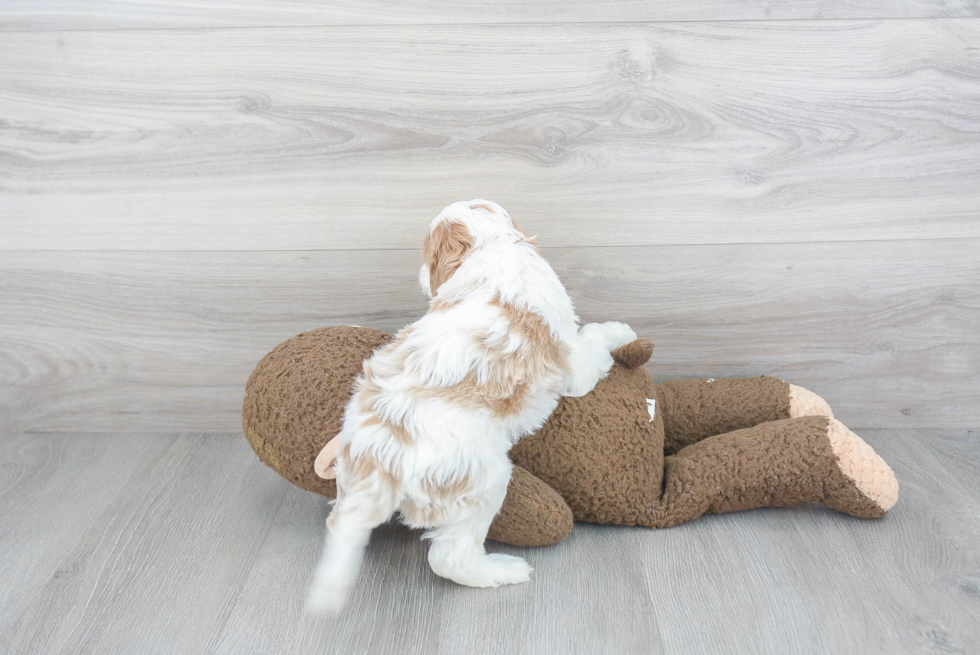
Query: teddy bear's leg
696, 409
533, 514
776, 464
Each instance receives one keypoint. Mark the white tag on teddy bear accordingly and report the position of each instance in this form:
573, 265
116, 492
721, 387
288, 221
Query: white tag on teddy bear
652, 407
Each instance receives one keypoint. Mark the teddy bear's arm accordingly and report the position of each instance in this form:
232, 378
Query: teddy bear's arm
533, 513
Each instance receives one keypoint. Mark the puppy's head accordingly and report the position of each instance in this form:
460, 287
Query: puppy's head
457, 231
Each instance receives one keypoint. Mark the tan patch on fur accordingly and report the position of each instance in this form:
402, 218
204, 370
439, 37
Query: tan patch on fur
447, 491
400, 434
483, 207
501, 398
859, 462
511, 375
364, 466
442, 498
393, 363
440, 305
369, 393
444, 249
421, 516
358, 470
531, 326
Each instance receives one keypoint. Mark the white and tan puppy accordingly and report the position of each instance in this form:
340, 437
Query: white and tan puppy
427, 431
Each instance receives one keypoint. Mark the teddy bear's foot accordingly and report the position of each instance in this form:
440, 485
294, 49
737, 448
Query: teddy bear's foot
803, 402
809, 459
868, 488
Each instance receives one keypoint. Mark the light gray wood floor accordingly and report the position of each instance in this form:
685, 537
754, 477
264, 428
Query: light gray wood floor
186, 543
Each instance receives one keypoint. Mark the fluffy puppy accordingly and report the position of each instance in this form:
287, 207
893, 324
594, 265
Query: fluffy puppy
427, 431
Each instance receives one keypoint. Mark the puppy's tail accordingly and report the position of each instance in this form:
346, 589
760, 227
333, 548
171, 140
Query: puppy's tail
368, 505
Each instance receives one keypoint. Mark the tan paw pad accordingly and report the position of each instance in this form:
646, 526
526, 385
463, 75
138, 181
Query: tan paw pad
863, 466
803, 402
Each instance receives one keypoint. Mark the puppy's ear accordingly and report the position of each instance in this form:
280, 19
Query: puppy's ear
444, 250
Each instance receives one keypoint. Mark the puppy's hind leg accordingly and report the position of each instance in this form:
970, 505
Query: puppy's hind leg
367, 505
457, 551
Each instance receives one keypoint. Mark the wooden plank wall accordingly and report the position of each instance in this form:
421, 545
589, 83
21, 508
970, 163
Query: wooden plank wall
790, 188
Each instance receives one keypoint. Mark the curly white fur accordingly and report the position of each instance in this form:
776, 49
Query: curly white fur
427, 431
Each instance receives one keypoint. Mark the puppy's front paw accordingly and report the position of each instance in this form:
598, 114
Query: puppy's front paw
611, 335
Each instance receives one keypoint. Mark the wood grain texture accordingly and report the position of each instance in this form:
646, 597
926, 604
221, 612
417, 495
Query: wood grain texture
52, 488
199, 548
162, 341
129, 14
597, 134
180, 533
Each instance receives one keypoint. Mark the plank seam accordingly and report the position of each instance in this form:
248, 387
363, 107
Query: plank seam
344, 26
582, 247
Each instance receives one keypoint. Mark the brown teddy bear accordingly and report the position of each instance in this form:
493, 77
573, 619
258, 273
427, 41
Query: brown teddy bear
631, 452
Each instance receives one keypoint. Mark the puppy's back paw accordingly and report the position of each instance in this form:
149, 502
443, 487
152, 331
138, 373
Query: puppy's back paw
325, 599
507, 569
491, 570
